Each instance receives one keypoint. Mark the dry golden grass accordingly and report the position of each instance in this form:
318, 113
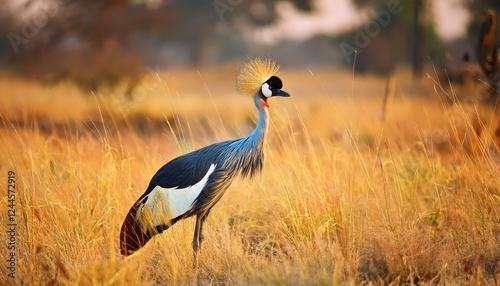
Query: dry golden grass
344, 199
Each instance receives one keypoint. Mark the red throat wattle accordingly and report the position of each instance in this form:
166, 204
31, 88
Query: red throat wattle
263, 103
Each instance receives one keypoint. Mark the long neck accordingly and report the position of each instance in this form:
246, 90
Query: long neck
260, 132
246, 155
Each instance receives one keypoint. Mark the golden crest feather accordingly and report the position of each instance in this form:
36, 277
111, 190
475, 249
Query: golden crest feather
254, 73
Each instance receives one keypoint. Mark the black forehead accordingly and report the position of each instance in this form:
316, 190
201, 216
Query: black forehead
274, 82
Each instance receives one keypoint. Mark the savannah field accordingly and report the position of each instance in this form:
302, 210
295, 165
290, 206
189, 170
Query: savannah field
366, 182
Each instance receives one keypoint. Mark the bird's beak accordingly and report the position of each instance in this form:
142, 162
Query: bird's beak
279, 92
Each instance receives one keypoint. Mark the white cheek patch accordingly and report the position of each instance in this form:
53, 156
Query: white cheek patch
266, 91
164, 204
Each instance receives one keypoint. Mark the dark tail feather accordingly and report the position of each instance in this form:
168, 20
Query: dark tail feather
131, 235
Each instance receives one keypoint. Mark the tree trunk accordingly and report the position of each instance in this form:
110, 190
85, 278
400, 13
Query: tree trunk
418, 39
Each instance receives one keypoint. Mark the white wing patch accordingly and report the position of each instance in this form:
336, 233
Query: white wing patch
168, 203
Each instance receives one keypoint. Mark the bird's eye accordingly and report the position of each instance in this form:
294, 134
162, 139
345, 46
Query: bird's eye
266, 90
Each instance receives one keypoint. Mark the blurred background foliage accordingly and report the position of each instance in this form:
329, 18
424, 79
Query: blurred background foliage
102, 42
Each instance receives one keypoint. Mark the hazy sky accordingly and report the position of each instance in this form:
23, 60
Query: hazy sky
451, 18
340, 15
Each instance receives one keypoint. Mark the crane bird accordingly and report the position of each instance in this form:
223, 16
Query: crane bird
193, 183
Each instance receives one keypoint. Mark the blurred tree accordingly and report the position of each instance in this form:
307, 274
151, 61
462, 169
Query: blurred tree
96, 42
475, 5
90, 42
418, 37
6, 25
483, 33
476, 9
199, 19
408, 36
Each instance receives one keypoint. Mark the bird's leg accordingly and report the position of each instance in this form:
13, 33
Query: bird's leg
196, 238
197, 230
203, 218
